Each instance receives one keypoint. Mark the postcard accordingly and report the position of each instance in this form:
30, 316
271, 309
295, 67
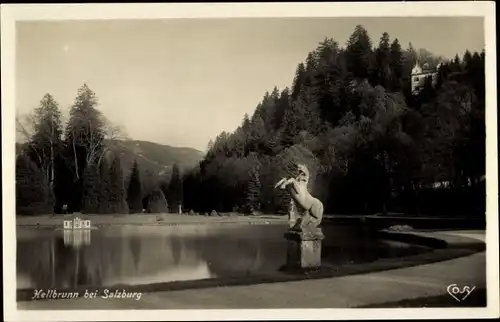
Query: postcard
253, 161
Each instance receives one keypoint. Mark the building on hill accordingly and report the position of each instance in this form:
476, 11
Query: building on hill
419, 74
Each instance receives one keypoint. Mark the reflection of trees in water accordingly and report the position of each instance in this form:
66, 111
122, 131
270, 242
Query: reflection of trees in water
124, 254
135, 249
51, 263
42, 268
115, 256
245, 249
176, 244
349, 244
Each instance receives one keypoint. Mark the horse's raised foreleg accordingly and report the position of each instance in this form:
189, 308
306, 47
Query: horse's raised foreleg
284, 183
280, 183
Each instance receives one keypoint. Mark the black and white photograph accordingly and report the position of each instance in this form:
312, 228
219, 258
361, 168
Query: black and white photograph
249, 161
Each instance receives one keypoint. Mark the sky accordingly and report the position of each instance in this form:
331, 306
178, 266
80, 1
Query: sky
180, 82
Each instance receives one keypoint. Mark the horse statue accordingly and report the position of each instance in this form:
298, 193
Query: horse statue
306, 211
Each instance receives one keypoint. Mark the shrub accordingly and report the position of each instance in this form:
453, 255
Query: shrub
33, 194
157, 202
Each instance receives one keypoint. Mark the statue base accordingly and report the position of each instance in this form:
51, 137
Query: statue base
304, 249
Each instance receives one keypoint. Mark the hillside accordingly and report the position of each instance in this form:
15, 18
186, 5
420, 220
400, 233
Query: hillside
154, 159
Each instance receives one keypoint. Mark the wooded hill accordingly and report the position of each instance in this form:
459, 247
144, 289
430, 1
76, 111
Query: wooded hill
371, 145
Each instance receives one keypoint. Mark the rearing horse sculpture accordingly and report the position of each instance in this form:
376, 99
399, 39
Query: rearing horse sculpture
308, 210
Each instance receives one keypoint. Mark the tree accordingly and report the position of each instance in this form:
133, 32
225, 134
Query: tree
257, 136
156, 202
383, 58
298, 81
266, 110
282, 105
253, 191
246, 123
134, 191
91, 190
326, 98
116, 200
87, 130
410, 58
456, 65
33, 194
347, 117
397, 67
43, 135
175, 189
359, 54
104, 187
467, 60
294, 122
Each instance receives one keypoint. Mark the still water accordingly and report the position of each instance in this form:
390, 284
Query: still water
133, 255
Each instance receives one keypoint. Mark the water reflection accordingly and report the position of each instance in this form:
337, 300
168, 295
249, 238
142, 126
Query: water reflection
150, 254
77, 237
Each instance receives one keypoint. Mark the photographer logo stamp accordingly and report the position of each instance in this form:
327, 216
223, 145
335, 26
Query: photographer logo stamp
459, 293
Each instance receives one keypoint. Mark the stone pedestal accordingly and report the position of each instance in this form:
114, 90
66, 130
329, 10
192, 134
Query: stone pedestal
304, 249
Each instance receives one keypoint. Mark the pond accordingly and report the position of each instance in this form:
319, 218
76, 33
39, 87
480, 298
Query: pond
131, 255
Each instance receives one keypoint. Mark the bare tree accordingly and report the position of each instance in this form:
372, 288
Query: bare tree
41, 132
88, 130
96, 139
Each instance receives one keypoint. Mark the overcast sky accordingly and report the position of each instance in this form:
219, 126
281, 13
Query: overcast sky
181, 82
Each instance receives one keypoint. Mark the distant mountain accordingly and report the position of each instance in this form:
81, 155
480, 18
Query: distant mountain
157, 159
154, 159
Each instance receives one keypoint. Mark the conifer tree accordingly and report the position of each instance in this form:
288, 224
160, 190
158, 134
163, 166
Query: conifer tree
383, 57
91, 190
467, 59
359, 54
298, 81
134, 191
282, 104
253, 191
396, 65
175, 189
45, 143
104, 187
117, 197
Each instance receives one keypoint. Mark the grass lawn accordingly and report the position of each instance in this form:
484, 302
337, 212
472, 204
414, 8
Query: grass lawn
146, 219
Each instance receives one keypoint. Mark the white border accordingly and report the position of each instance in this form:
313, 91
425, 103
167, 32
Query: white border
12, 13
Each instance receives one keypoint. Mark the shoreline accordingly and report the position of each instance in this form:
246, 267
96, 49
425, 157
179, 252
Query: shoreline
169, 219
53, 221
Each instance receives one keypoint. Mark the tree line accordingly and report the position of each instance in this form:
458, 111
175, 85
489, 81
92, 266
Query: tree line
70, 166
370, 143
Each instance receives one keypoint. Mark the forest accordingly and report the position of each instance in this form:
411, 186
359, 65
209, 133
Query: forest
371, 143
